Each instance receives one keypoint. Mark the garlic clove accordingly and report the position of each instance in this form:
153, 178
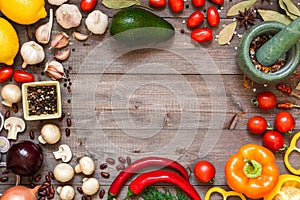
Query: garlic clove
80, 36
43, 32
63, 55
60, 40
55, 70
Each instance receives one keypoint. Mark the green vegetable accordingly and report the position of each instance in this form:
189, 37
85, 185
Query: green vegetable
136, 26
152, 193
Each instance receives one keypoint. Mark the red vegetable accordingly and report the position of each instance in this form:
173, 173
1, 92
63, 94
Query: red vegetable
257, 125
265, 100
219, 2
149, 178
198, 3
273, 140
204, 171
20, 193
202, 35
158, 3
176, 5
5, 73
213, 17
284, 122
195, 19
140, 164
87, 5
22, 76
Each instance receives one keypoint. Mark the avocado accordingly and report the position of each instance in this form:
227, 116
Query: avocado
136, 26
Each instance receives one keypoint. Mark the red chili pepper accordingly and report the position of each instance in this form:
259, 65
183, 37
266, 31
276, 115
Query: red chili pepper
21, 76
143, 163
176, 5
149, 178
87, 5
202, 35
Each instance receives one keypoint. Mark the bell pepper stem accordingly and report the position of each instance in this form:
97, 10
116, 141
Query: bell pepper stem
252, 168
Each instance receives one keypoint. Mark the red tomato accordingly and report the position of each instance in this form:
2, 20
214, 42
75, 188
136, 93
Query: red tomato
5, 73
21, 76
219, 2
265, 100
213, 17
257, 125
273, 140
198, 3
176, 5
204, 171
195, 19
284, 122
158, 3
202, 35
87, 5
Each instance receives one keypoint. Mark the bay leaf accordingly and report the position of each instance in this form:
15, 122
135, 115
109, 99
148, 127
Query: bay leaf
271, 15
117, 4
234, 10
291, 7
226, 33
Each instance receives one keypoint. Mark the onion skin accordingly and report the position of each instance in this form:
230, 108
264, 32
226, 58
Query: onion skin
20, 193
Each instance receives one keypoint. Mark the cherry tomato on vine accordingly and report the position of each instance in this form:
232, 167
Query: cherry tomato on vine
202, 34
257, 125
195, 19
87, 5
176, 5
204, 171
284, 122
21, 76
158, 3
213, 17
273, 140
5, 73
219, 2
265, 100
198, 3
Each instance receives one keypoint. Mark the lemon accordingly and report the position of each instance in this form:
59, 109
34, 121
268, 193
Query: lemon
23, 11
9, 42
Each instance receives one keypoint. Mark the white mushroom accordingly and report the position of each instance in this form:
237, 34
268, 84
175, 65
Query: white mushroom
63, 172
86, 166
64, 153
11, 93
14, 125
66, 192
90, 186
50, 134
97, 22
68, 16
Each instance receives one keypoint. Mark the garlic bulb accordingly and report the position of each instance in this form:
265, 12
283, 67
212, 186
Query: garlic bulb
57, 2
32, 53
68, 16
43, 32
97, 22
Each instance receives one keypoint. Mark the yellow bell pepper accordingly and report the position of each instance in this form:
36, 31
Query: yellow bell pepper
287, 188
292, 147
225, 194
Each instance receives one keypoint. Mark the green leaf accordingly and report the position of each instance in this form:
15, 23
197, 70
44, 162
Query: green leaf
117, 4
270, 15
226, 33
234, 10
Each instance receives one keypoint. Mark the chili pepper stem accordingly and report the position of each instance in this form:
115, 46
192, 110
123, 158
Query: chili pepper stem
129, 194
252, 168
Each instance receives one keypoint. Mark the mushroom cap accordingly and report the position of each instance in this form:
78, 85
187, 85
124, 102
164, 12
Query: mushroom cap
64, 153
67, 192
50, 133
86, 166
90, 186
63, 172
11, 93
20, 123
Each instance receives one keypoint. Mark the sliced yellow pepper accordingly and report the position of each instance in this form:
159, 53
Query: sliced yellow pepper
290, 149
223, 192
288, 187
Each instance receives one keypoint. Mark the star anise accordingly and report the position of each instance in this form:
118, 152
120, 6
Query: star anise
247, 17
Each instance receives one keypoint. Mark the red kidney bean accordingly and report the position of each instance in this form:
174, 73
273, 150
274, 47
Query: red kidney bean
122, 160
110, 161
31, 134
213, 17
69, 122
202, 35
15, 107
195, 19
38, 178
120, 167
103, 166
7, 114
68, 132
128, 160
105, 175
176, 5
101, 193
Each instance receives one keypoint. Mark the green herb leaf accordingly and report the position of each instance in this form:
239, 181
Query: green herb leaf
226, 33
270, 15
117, 4
234, 10
151, 193
290, 8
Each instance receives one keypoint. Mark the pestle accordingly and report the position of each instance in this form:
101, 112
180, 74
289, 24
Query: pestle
279, 44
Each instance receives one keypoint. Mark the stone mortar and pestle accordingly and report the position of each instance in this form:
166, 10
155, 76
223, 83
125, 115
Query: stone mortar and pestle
285, 41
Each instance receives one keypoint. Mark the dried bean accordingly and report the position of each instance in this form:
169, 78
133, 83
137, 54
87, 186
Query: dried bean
79, 189
48, 179
4, 179
15, 107
30, 179
42, 198
110, 161
122, 160
38, 178
50, 196
88, 197
62, 117
69, 122
42, 193
7, 114
120, 167
68, 132
101, 193
128, 160
31, 134
103, 166
6, 171
47, 184
32, 185
105, 174
51, 175
52, 190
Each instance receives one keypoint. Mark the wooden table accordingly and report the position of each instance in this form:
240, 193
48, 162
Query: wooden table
175, 100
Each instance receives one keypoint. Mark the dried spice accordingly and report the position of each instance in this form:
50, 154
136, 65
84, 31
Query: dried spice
287, 90
247, 17
235, 9
271, 15
226, 33
290, 8
287, 105
117, 4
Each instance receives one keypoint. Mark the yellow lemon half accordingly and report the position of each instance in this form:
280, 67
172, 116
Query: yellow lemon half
23, 11
9, 42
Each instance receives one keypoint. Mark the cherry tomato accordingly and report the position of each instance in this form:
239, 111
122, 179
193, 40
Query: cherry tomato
21, 76
257, 125
195, 19
87, 5
202, 35
204, 171
176, 5
5, 73
158, 3
213, 17
273, 140
198, 3
284, 122
265, 100
219, 2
